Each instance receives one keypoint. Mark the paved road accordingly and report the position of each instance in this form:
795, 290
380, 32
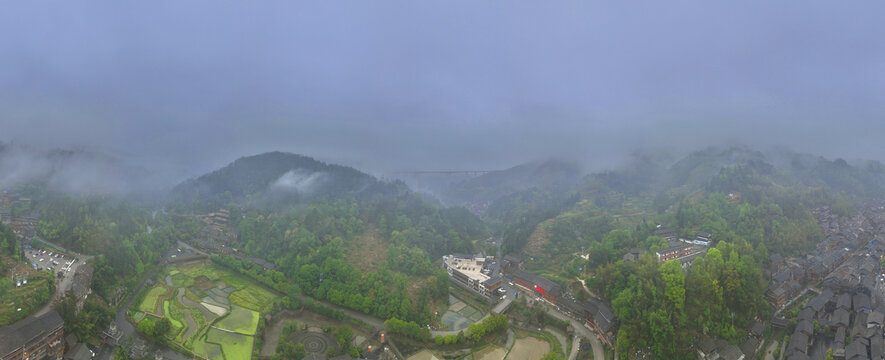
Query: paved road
563, 340
576, 345
769, 352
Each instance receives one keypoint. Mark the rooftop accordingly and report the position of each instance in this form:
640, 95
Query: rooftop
14, 336
469, 266
549, 286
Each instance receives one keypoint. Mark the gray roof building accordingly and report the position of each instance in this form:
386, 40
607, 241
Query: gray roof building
42, 334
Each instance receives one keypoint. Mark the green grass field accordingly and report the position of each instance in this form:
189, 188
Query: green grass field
211, 271
241, 320
181, 280
237, 281
214, 352
177, 326
149, 304
253, 297
234, 346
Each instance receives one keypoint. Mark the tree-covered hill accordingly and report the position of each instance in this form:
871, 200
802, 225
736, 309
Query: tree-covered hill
274, 179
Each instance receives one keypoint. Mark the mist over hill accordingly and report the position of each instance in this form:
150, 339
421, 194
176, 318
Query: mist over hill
277, 178
75, 171
552, 175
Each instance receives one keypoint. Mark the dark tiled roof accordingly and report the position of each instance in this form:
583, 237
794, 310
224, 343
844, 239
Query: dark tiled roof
876, 346
707, 345
571, 306
860, 324
861, 301
549, 287
844, 301
512, 260
602, 313
875, 318
730, 352
492, 280
263, 263
14, 336
841, 317
673, 249
798, 356
805, 326
805, 314
749, 347
798, 342
779, 321
757, 328
855, 350
818, 303
840, 337
79, 352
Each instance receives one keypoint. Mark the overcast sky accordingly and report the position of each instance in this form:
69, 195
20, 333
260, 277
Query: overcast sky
440, 85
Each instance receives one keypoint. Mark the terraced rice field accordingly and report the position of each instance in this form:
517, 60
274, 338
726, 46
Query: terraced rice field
240, 320
149, 304
214, 312
234, 346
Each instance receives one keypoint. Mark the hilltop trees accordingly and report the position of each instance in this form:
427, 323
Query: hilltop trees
661, 306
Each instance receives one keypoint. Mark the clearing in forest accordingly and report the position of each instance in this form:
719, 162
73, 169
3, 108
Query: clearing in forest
367, 251
539, 238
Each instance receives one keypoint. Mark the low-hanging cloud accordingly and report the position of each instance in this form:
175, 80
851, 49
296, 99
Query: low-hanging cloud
387, 87
299, 181
74, 171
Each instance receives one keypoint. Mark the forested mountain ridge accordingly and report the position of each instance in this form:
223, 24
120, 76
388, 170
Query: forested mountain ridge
549, 175
753, 203
276, 179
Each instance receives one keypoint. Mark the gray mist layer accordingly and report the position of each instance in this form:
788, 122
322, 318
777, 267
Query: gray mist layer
180, 88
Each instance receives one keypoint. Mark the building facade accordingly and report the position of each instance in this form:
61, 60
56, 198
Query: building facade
40, 337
